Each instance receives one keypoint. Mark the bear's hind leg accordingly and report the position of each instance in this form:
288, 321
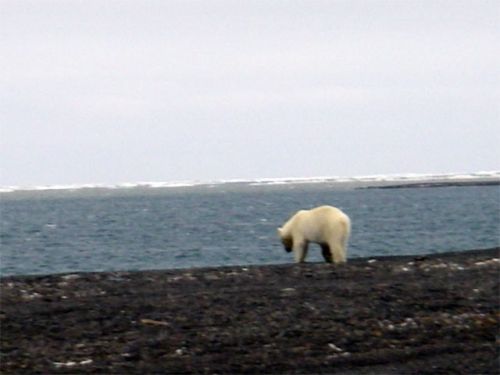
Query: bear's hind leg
325, 250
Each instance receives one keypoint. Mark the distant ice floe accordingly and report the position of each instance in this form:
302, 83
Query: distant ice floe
410, 177
126, 185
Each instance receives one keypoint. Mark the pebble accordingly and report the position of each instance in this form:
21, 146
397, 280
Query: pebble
180, 351
334, 347
30, 296
211, 277
70, 277
310, 306
73, 363
64, 364
487, 262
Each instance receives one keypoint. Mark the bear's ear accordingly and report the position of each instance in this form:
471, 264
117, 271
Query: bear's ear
280, 232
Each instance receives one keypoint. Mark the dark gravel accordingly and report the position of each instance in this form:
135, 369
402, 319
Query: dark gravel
393, 315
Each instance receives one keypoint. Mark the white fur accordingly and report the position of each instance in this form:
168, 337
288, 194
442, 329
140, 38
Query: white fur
326, 225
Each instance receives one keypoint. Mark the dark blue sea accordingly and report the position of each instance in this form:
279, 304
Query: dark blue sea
139, 229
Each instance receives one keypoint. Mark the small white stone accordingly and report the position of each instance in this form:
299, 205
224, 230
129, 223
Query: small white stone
70, 277
334, 347
64, 364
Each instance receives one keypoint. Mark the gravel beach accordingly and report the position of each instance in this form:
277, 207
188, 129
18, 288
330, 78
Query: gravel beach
383, 315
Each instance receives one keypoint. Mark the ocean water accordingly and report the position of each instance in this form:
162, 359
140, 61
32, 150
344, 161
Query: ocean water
216, 225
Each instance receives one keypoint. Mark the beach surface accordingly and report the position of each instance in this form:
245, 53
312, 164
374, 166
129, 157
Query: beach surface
383, 315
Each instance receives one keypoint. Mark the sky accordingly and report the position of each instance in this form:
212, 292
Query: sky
167, 90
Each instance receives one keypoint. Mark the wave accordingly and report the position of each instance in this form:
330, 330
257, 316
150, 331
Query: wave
380, 178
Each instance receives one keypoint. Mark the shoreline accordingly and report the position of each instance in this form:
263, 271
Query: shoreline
436, 313
401, 258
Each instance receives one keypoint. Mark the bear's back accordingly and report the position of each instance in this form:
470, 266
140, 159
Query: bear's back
319, 223
325, 211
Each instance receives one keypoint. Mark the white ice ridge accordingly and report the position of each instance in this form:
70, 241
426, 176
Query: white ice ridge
409, 177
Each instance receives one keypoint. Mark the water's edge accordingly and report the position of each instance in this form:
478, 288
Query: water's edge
493, 251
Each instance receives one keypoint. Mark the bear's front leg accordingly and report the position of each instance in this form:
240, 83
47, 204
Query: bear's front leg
300, 251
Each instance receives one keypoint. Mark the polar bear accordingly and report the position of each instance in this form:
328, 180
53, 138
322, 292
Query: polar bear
325, 225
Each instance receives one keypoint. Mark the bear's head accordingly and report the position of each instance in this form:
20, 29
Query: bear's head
285, 240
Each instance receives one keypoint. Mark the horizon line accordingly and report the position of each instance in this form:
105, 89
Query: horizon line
255, 181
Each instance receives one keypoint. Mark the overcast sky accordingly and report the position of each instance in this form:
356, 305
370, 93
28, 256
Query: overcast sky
129, 91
